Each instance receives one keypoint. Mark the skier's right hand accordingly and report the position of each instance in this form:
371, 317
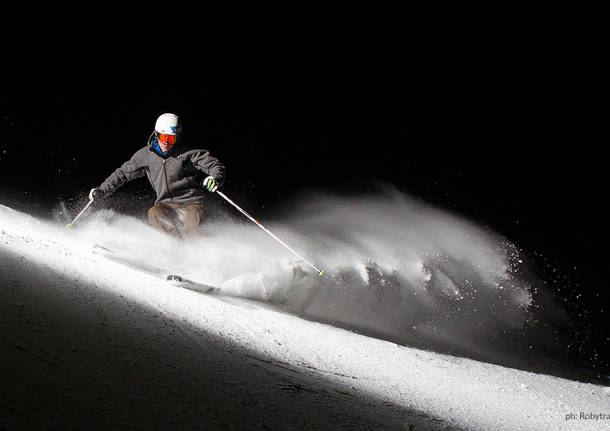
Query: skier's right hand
210, 184
95, 193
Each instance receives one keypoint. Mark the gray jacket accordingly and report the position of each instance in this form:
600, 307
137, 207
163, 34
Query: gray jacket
175, 177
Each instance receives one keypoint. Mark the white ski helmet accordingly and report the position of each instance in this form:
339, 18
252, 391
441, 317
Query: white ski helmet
168, 124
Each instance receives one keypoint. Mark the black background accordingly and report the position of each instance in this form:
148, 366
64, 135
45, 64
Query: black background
504, 133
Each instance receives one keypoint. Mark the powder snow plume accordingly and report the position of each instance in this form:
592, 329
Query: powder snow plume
398, 269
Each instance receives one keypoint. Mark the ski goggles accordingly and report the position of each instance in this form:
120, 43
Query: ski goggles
164, 138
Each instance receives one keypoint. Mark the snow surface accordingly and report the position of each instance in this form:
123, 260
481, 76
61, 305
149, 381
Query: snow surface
89, 343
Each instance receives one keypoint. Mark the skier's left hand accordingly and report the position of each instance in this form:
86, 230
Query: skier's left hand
210, 184
95, 193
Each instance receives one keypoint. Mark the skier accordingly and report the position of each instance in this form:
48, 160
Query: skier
175, 172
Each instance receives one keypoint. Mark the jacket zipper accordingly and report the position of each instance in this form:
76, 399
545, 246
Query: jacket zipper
166, 182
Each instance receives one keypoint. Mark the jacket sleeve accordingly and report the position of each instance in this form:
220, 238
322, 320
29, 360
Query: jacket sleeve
209, 165
130, 170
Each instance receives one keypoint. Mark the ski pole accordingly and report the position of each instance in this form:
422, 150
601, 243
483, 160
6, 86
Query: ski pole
80, 213
252, 219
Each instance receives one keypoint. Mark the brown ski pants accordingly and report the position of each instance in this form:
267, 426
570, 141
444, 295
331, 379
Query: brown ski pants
181, 220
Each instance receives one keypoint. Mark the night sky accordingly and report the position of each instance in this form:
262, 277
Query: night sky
506, 139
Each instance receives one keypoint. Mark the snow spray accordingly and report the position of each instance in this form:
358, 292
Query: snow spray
398, 269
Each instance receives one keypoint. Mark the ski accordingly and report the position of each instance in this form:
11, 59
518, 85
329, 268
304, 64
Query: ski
178, 280
173, 279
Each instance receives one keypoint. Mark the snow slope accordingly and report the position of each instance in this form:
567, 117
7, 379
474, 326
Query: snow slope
88, 343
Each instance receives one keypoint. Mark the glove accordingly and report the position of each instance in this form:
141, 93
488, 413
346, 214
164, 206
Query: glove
210, 184
95, 193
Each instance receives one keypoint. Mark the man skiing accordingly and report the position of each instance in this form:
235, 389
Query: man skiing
175, 172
